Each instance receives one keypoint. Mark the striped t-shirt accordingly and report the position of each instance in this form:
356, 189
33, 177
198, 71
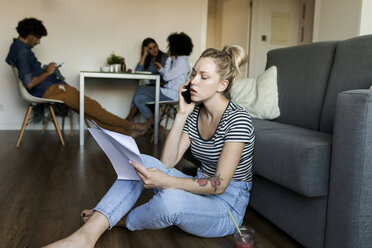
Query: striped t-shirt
235, 126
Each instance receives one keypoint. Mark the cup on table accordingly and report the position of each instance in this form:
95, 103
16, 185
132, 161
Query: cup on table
105, 68
248, 236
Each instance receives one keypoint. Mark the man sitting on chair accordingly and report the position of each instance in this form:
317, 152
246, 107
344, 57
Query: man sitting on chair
46, 84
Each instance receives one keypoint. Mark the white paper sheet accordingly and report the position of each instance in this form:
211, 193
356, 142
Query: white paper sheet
120, 149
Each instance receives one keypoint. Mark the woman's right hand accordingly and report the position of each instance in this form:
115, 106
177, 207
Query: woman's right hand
184, 107
145, 52
144, 55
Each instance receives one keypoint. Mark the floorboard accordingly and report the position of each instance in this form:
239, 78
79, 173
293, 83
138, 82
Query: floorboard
44, 186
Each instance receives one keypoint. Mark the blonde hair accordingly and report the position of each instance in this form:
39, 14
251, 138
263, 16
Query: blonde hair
227, 62
238, 55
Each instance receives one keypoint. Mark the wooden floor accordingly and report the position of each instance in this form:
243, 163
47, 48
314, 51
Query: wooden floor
44, 186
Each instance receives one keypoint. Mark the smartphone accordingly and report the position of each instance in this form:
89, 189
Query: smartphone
61, 64
187, 94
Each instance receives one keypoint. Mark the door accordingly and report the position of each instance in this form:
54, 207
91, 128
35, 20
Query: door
275, 24
228, 24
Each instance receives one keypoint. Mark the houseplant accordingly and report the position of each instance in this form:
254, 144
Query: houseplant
115, 62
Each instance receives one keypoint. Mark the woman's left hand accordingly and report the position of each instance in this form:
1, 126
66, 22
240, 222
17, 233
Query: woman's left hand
152, 177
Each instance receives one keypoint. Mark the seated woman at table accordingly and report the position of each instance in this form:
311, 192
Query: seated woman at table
150, 52
174, 73
43, 82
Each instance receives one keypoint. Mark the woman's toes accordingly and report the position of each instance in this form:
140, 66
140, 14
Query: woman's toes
85, 219
136, 133
140, 126
86, 213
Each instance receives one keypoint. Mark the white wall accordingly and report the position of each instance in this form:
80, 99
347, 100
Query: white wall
366, 18
337, 19
235, 16
82, 33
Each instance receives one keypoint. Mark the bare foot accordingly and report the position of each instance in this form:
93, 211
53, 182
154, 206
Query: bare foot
74, 240
137, 133
140, 126
86, 214
87, 235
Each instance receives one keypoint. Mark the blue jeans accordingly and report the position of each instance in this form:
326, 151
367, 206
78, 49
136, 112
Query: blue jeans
145, 94
201, 215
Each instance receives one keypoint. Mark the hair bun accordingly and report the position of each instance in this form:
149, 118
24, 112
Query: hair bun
237, 54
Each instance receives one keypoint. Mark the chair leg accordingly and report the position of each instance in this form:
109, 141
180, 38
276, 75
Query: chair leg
71, 123
152, 137
87, 123
28, 112
46, 123
63, 123
56, 124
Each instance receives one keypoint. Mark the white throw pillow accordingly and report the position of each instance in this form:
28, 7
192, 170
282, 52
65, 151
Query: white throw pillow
259, 96
370, 87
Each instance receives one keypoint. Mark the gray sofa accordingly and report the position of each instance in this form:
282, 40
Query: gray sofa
313, 165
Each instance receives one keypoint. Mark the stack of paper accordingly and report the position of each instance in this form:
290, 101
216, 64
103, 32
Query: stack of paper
120, 149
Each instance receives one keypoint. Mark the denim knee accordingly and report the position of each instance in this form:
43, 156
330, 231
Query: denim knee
151, 162
161, 211
169, 201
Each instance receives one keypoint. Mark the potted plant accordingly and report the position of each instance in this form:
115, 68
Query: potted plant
115, 62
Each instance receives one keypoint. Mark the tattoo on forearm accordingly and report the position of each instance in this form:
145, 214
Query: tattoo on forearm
215, 181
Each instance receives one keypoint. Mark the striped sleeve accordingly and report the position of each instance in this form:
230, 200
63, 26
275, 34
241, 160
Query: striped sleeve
239, 128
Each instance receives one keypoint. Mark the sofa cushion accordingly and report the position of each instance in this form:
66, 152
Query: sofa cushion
352, 69
259, 96
303, 73
294, 157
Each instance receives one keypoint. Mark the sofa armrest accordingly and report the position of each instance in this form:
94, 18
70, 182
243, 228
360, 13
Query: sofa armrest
349, 213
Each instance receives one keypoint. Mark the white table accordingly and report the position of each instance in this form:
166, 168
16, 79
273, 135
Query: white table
138, 76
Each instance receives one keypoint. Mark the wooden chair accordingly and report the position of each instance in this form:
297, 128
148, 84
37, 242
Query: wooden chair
167, 110
70, 115
32, 101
